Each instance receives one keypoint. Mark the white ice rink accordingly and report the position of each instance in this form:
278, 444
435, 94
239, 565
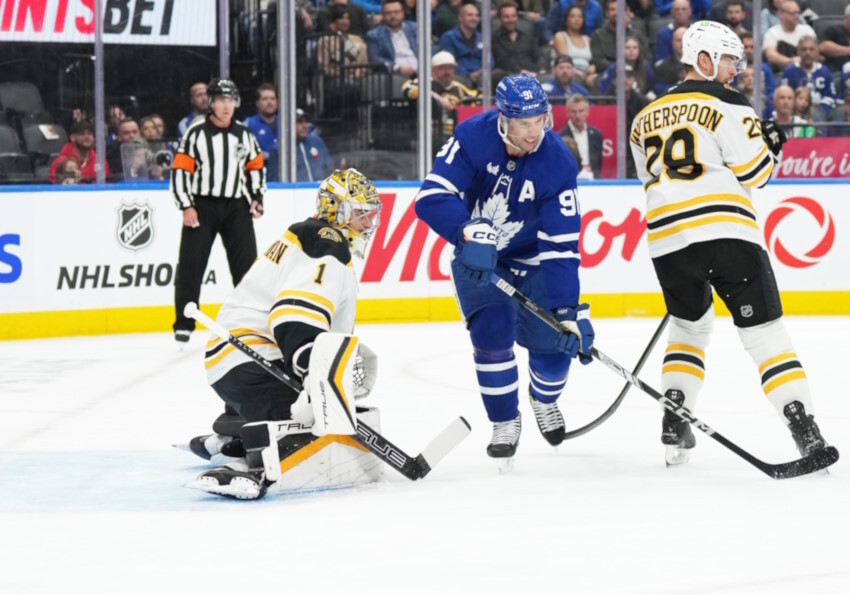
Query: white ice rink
91, 499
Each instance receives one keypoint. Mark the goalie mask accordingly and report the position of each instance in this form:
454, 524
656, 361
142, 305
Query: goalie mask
349, 202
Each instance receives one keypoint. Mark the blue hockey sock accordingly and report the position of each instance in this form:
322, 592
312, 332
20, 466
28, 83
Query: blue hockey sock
498, 382
548, 374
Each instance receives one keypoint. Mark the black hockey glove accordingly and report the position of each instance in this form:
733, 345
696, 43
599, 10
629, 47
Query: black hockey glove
774, 136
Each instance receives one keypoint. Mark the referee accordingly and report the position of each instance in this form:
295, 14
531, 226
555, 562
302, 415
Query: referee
218, 180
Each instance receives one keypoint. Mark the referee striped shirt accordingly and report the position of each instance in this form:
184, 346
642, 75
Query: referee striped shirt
221, 162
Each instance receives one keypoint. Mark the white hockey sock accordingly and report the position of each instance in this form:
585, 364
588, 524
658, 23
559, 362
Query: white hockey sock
684, 358
782, 377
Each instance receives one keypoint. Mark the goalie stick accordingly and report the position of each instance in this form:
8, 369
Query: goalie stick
412, 468
816, 461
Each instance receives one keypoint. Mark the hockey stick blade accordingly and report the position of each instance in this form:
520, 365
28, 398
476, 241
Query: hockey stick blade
803, 466
412, 468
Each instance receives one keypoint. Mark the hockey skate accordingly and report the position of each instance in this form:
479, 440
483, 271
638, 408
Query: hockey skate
676, 433
549, 420
504, 442
234, 480
803, 428
210, 445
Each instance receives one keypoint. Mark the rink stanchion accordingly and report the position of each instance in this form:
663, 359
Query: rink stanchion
816, 461
412, 467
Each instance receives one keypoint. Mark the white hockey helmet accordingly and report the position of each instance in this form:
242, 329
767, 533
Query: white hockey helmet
716, 40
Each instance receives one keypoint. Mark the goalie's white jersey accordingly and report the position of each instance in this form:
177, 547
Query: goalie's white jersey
699, 152
303, 284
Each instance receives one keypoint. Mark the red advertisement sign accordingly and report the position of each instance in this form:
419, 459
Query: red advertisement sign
815, 158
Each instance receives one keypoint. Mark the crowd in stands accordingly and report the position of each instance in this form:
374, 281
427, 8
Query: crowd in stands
570, 45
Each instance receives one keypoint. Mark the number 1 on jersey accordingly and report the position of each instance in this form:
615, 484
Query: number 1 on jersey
319, 273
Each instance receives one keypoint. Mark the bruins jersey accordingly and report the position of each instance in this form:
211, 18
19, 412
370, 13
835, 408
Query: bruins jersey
699, 153
302, 285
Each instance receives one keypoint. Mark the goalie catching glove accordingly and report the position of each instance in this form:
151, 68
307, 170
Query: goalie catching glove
342, 369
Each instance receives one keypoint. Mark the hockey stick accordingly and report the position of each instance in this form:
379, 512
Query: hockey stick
816, 461
610, 411
411, 467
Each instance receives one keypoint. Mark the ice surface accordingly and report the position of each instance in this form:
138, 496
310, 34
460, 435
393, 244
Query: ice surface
91, 498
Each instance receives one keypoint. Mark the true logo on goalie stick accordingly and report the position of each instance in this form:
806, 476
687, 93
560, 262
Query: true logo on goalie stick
135, 226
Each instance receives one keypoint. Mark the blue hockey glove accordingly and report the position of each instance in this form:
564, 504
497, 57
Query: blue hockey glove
475, 251
578, 341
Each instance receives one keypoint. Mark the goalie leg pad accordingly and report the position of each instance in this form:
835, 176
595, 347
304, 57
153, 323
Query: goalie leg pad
340, 371
309, 462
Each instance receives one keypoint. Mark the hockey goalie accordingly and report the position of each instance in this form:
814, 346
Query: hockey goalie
295, 308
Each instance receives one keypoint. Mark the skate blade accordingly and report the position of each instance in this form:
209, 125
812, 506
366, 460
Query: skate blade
183, 447
506, 465
241, 490
676, 456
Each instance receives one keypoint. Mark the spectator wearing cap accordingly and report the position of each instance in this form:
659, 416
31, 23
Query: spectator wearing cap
81, 148
562, 84
266, 127
446, 92
588, 139
464, 43
514, 51
835, 45
393, 42
313, 161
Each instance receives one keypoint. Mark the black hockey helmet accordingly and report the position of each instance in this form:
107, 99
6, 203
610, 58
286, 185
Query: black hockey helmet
223, 88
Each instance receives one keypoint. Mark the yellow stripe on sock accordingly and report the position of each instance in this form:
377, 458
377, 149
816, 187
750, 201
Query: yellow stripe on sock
684, 369
783, 379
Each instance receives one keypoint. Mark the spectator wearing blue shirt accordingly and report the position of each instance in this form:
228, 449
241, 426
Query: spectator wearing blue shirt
370, 6
681, 13
593, 17
700, 8
562, 85
200, 107
811, 74
266, 127
393, 42
313, 161
644, 75
464, 43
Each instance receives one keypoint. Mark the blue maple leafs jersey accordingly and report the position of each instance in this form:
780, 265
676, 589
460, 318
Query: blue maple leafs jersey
819, 81
532, 201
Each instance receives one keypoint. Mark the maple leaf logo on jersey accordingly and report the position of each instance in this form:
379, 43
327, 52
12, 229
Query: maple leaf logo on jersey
496, 210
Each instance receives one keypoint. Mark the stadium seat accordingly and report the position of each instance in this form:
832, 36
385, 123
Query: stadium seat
44, 141
20, 98
15, 167
824, 23
9, 140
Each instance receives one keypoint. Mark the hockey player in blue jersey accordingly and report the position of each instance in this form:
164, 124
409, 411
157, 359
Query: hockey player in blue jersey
503, 192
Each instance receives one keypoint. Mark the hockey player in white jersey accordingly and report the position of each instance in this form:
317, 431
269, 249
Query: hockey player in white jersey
300, 293
699, 151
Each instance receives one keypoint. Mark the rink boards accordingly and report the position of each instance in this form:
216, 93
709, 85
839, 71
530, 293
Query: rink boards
93, 261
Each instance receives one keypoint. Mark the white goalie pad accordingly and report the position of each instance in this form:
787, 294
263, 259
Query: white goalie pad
327, 462
341, 370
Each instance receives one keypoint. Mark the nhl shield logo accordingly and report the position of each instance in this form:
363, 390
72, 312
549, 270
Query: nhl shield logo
135, 226
746, 311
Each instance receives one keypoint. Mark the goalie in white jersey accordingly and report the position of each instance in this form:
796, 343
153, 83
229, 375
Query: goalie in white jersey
699, 151
300, 293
